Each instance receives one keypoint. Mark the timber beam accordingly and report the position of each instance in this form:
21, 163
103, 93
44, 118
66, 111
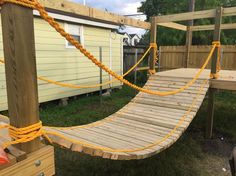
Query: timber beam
173, 26
194, 15
212, 27
92, 13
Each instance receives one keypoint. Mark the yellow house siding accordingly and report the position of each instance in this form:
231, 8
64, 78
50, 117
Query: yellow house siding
68, 65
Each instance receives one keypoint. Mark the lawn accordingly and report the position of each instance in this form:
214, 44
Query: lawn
191, 155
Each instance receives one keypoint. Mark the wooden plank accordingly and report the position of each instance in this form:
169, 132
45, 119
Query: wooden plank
162, 117
78, 10
173, 26
212, 27
20, 64
161, 114
186, 16
230, 11
152, 121
194, 15
142, 127
79, 148
28, 167
156, 109
144, 68
223, 85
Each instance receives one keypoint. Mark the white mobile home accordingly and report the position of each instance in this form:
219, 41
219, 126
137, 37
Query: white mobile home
60, 61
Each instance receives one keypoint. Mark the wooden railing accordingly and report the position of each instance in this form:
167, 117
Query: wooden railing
172, 57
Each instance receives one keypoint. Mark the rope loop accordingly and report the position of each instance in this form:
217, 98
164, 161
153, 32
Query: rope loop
217, 44
26, 134
151, 72
153, 45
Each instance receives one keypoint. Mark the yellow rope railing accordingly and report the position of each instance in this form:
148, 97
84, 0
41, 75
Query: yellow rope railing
21, 135
155, 143
68, 37
41, 78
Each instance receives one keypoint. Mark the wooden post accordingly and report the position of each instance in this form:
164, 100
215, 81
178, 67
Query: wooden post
135, 60
20, 59
153, 39
189, 34
159, 60
100, 57
211, 99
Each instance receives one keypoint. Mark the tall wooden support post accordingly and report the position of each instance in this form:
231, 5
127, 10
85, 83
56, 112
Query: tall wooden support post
153, 39
19, 53
189, 34
211, 99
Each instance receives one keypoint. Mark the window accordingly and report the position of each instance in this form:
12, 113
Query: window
135, 41
76, 31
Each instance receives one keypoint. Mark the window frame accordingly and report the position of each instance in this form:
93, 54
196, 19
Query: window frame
80, 34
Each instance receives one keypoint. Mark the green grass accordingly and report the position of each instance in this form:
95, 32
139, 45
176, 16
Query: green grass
85, 109
192, 155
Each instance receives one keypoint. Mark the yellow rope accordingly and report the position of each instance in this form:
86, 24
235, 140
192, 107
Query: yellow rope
74, 42
95, 85
23, 135
155, 143
218, 64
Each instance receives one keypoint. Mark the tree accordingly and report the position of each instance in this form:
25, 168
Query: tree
173, 37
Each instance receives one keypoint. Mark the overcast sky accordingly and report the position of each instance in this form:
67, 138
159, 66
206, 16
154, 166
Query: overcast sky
122, 7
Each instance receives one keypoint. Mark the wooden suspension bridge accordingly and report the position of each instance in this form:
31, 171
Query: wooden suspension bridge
146, 126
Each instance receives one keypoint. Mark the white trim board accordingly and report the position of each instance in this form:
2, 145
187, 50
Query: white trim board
78, 20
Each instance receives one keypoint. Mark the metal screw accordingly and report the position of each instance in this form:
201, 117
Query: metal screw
37, 163
41, 174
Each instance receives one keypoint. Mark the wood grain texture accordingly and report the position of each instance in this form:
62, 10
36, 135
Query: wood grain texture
145, 120
153, 39
92, 13
27, 167
194, 15
20, 65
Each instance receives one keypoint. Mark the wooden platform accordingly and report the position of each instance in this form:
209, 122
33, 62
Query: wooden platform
146, 120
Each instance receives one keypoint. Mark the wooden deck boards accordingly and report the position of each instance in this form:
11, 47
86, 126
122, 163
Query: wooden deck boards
146, 120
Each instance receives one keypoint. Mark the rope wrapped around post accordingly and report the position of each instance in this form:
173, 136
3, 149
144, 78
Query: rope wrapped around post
218, 65
26, 134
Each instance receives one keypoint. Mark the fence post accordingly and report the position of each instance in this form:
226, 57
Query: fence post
153, 39
135, 60
159, 60
100, 57
212, 91
20, 59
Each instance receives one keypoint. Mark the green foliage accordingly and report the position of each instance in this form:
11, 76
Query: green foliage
173, 37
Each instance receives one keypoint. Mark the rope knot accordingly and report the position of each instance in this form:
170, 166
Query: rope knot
153, 45
217, 43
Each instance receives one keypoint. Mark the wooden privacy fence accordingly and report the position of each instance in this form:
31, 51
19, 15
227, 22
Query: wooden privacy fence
172, 57
132, 55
